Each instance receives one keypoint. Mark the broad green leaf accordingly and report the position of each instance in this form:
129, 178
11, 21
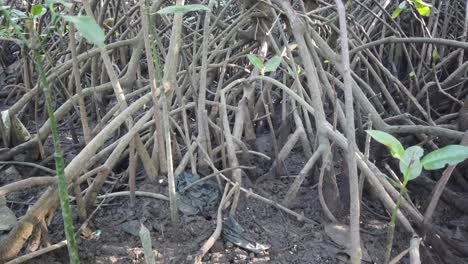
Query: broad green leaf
182, 9
396, 12
410, 164
255, 61
420, 3
272, 64
36, 10
451, 155
422, 7
145, 237
399, 9
396, 149
424, 11
88, 28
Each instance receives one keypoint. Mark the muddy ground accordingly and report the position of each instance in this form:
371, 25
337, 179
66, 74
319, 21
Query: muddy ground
112, 234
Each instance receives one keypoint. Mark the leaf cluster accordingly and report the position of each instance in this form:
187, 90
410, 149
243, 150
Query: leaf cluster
270, 66
423, 8
412, 159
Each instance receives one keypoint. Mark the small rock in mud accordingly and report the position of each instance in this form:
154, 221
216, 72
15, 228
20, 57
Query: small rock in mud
9, 175
219, 258
114, 250
131, 227
7, 216
240, 254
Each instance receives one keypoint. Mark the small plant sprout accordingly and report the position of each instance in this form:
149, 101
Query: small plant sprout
270, 66
423, 8
412, 162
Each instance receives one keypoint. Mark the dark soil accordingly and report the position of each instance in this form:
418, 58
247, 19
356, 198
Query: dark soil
112, 234
110, 238
291, 241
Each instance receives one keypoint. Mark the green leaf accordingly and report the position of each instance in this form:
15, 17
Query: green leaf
396, 149
272, 64
410, 164
451, 155
256, 62
36, 10
399, 9
88, 28
422, 7
17, 14
420, 3
396, 12
182, 9
411, 74
435, 56
424, 11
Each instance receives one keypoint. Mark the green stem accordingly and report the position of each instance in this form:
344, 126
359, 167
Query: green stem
393, 219
59, 162
59, 166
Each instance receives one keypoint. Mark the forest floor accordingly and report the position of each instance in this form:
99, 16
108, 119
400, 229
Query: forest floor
113, 229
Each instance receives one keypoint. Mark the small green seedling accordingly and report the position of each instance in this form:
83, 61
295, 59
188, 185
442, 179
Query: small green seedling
423, 8
412, 162
270, 66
